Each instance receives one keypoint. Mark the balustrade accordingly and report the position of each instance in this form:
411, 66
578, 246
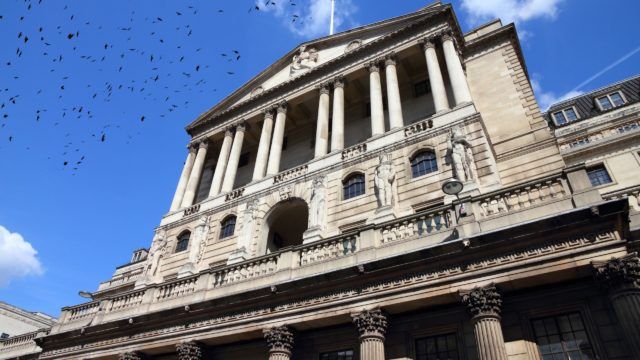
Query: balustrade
522, 197
416, 128
126, 301
84, 310
328, 250
354, 151
246, 271
419, 226
177, 289
290, 174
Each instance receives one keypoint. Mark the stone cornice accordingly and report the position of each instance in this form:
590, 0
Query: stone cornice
444, 15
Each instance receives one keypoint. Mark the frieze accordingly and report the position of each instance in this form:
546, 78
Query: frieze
371, 288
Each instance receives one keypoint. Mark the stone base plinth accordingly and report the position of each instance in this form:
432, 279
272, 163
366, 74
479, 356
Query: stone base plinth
187, 269
382, 214
238, 255
312, 235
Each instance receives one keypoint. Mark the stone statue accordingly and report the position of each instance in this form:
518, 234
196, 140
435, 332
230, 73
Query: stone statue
384, 181
317, 203
156, 252
196, 250
464, 168
305, 59
249, 217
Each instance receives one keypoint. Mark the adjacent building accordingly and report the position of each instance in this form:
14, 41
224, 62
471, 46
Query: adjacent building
18, 328
389, 192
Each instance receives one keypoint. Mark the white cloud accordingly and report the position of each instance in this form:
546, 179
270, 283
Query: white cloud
312, 17
17, 257
517, 11
548, 98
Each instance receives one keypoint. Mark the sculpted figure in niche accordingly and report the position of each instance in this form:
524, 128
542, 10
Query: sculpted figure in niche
317, 203
384, 181
464, 168
196, 251
156, 252
305, 59
249, 217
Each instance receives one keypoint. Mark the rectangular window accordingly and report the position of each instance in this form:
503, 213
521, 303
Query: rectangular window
437, 348
604, 102
565, 116
338, 355
610, 101
571, 115
562, 337
421, 88
599, 176
559, 117
616, 98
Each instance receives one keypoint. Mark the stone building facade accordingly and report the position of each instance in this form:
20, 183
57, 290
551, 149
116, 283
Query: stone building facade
310, 222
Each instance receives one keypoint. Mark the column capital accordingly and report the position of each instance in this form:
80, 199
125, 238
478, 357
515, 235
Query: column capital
190, 350
390, 59
242, 126
428, 43
282, 107
323, 88
228, 131
192, 147
203, 144
268, 113
338, 82
279, 339
619, 273
371, 323
373, 66
447, 35
484, 301
132, 355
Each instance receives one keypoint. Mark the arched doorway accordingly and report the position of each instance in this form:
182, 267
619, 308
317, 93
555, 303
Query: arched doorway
287, 222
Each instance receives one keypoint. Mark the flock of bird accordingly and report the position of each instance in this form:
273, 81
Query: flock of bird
87, 91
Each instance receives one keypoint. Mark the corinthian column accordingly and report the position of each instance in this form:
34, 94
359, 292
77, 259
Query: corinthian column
393, 93
622, 278
377, 108
184, 178
234, 158
280, 342
322, 126
435, 76
190, 350
194, 177
221, 165
337, 126
263, 148
278, 136
458, 79
372, 326
484, 306
132, 355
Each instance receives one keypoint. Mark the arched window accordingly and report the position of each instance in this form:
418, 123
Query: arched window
228, 227
183, 241
353, 186
423, 163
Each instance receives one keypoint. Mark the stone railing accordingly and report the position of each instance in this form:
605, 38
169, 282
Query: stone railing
83, 310
522, 197
418, 127
125, 278
354, 151
127, 300
602, 134
177, 288
234, 194
328, 250
290, 174
247, 270
20, 346
630, 193
19, 340
416, 226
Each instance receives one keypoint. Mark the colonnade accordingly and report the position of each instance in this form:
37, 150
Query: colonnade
269, 152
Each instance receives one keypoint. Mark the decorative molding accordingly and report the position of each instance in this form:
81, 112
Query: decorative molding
619, 273
354, 151
190, 350
418, 127
484, 301
371, 323
291, 174
234, 194
352, 46
132, 355
191, 210
279, 339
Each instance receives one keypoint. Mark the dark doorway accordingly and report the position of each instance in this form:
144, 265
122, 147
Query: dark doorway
287, 223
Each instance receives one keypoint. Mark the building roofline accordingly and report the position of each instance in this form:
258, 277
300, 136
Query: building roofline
591, 92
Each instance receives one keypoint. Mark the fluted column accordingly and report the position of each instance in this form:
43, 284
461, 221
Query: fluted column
221, 165
393, 93
132, 355
436, 82
484, 306
194, 177
262, 157
377, 108
234, 158
322, 125
280, 342
622, 279
184, 178
372, 326
458, 79
190, 350
278, 136
337, 125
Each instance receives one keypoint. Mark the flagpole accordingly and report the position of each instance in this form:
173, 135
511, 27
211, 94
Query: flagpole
333, 6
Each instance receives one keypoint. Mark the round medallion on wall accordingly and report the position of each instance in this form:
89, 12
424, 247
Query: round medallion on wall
353, 45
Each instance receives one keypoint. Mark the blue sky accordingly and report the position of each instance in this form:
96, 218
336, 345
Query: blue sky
118, 122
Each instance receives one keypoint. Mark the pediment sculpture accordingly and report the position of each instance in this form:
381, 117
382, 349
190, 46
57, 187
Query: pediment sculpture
306, 59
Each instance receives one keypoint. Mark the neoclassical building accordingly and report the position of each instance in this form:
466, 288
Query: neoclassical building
389, 192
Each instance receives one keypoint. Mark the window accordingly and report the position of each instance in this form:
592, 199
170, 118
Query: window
627, 127
610, 101
565, 116
423, 163
244, 159
228, 227
562, 337
4, 336
421, 88
353, 186
598, 176
338, 355
183, 241
442, 347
